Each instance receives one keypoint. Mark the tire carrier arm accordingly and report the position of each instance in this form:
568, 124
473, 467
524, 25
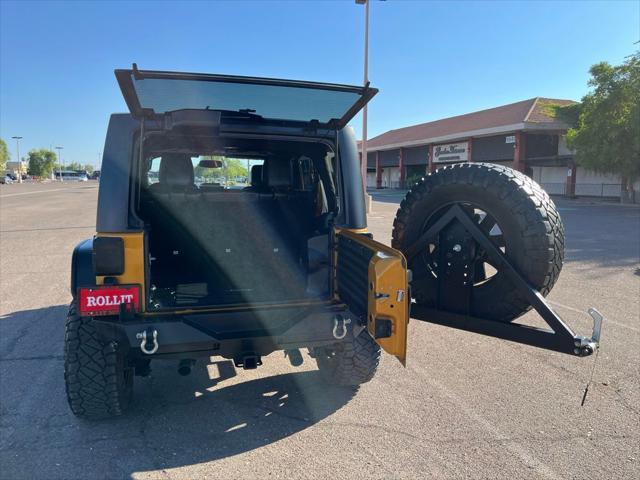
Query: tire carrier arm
560, 338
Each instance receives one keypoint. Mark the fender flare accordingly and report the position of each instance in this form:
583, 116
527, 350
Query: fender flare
82, 273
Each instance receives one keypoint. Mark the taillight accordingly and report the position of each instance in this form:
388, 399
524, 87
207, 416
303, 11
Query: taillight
108, 256
106, 299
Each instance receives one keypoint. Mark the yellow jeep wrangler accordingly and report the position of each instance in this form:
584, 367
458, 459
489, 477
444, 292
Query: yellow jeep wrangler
231, 222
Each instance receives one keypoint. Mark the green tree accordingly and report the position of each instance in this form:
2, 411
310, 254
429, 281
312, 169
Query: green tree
4, 156
606, 123
231, 168
74, 166
78, 166
41, 162
234, 168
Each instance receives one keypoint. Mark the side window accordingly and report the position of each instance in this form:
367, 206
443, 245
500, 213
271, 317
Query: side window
154, 169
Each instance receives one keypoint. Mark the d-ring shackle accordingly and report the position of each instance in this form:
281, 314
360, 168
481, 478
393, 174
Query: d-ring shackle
340, 323
143, 343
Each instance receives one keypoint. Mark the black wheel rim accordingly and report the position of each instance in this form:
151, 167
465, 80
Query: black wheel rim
426, 262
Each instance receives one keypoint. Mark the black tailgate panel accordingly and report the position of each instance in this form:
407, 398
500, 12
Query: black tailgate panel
353, 275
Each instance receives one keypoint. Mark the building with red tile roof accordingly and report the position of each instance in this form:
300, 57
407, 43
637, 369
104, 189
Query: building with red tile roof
526, 135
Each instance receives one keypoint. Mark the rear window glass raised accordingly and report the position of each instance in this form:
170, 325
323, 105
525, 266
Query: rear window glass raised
268, 101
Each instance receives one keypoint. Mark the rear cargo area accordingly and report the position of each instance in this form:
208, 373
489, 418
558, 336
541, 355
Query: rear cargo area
212, 245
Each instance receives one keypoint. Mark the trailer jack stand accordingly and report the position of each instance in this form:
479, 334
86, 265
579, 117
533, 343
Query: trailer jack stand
456, 312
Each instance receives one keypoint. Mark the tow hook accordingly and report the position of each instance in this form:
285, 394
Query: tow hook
340, 325
145, 337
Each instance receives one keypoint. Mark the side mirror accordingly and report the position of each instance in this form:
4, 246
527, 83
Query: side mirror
210, 164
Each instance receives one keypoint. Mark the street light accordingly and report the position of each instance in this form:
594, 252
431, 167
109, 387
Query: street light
363, 145
17, 139
60, 161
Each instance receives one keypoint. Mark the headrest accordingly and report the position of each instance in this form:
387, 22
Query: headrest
256, 175
278, 173
176, 170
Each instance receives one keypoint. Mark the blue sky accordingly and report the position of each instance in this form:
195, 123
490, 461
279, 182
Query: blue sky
429, 59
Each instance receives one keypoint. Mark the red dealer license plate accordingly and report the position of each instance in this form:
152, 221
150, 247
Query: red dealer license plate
106, 300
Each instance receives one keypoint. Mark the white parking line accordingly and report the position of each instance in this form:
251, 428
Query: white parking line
517, 449
39, 191
582, 312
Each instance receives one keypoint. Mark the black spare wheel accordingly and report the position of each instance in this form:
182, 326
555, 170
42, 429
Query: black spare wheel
509, 207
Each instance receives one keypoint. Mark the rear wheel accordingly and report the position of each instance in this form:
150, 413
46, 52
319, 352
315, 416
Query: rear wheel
98, 381
350, 362
513, 210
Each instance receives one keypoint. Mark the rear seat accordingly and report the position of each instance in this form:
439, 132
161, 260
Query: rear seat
257, 183
251, 242
293, 208
243, 235
163, 204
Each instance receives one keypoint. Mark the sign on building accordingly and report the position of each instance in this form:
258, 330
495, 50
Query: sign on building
452, 152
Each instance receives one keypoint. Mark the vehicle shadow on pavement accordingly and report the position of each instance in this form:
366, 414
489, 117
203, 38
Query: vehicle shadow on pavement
173, 421
187, 420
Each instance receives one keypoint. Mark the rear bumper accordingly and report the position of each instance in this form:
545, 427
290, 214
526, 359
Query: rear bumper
230, 335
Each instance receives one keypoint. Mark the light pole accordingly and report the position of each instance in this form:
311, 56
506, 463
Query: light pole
17, 139
60, 161
363, 145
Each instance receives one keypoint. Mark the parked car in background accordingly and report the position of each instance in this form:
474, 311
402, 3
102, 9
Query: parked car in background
6, 179
95, 175
72, 176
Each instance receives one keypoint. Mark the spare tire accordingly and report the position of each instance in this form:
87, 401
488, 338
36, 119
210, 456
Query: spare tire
511, 208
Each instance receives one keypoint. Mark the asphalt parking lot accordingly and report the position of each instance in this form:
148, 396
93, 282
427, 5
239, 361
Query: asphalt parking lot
466, 406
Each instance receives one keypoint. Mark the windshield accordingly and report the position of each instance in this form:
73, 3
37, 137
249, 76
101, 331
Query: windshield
231, 173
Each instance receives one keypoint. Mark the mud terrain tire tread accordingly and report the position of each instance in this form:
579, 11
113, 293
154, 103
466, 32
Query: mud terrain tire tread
353, 362
98, 384
539, 224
